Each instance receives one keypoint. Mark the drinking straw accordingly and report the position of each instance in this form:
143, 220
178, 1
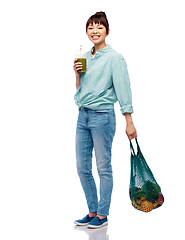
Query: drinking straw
80, 50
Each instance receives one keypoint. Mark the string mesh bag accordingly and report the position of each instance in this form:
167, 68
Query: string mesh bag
145, 192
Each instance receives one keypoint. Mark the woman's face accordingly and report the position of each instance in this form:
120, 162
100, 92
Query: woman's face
97, 33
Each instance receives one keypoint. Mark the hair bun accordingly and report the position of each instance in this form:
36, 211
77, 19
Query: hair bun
101, 13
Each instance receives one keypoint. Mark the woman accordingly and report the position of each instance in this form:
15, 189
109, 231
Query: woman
105, 81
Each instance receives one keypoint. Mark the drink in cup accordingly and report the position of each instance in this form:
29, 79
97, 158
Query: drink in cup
83, 61
81, 57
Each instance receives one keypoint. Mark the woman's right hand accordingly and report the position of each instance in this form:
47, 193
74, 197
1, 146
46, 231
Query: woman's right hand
77, 67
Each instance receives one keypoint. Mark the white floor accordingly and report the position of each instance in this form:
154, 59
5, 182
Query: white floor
133, 225
85, 233
48, 212
41, 198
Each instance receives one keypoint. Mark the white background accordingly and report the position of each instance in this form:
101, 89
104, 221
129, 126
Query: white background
40, 193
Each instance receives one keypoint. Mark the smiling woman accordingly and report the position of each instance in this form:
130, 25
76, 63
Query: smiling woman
105, 81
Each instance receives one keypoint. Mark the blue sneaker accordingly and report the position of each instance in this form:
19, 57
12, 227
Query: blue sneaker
84, 221
97, 223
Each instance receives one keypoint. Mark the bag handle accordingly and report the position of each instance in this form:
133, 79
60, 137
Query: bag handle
132, 148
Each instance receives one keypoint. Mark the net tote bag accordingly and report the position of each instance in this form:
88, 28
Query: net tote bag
145, 193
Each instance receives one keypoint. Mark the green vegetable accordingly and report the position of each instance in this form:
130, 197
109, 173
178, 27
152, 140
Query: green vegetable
151, 190
139, 194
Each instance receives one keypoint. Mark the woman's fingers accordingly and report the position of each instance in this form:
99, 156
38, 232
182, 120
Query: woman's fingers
131, 132
77, 66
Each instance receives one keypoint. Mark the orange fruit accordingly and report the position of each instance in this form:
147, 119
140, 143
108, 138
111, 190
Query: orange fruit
146, 206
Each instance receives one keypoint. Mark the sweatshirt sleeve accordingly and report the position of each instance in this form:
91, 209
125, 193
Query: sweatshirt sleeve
122, 87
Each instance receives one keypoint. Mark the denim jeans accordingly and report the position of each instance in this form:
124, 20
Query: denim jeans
95, 129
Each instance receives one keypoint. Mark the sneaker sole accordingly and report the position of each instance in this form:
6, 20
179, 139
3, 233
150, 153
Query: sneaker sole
98, 226
80, 224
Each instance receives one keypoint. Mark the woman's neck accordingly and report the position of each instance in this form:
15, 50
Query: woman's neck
99, 47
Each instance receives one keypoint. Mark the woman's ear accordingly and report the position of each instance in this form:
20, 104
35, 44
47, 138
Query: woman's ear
108, 32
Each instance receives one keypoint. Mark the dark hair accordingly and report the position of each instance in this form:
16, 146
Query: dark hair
100, 18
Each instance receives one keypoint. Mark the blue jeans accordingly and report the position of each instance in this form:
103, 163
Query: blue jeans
95, 129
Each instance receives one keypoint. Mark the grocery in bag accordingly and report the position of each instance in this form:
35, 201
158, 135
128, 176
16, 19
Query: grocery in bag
145, 193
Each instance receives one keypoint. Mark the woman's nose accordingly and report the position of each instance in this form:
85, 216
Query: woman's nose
94, 30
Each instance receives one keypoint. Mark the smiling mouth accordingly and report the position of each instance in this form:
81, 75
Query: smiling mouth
95, 37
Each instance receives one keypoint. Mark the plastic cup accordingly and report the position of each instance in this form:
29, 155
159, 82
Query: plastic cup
83, 61
80, 55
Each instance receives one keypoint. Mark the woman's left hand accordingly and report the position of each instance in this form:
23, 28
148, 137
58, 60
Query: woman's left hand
131, 131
